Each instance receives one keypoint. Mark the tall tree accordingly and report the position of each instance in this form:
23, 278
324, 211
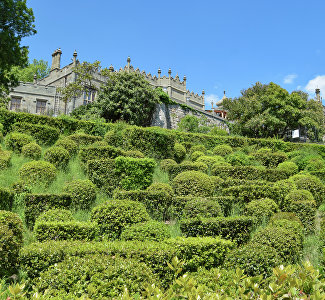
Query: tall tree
40, 68
16, 22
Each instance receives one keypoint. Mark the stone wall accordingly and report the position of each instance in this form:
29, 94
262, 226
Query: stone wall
168, 116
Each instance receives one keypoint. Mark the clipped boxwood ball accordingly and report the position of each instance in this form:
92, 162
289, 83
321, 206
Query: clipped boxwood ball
196, 154
222, 150
210, 160
202, 207
14, 223
68, 144
38, 172
57, 156
149, 231
55, 215
288, 166
198, 148
134, 153
179, 152
285, 216
193, 183
114, 215
161, 187
165, 164
261, 208
83, 193
15, 141
32, 150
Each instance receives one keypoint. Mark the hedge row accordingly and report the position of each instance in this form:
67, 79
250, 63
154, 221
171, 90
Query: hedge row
5, 157
6, 199
102, 152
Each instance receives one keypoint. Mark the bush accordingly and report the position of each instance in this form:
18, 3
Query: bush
20, 187
287, 244
202, 207
15, 141
43, 134
83, 193
161, 187
196, 154
312, 184
239, 158
14, 223
83, 139
37, 172
57, 156
5, 158
268, 158
234, 228
288, 166
284, 187
99, 152
98, 276
113, 216
166, 163
254, 259
55, 215
200, 148
67, 230
32, 150
222, 150
315, 164
294, 226
134, 173
149, 231
38, 203
179, 152
68, 144
134, 154
173, 171
261, 208
211, 160
193, 183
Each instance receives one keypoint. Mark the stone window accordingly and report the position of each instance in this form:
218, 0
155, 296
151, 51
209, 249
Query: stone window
89, 96
40, 106
15, 103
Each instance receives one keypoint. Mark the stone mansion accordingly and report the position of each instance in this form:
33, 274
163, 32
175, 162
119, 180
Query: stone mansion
42, 96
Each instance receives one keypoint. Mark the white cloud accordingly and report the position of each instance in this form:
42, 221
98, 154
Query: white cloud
289, 79
317, 83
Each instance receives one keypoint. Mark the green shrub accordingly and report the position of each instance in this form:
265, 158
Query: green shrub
292, 217
149, 231
14, 223
68, 144
38, 172
193, 183
99, 152
254, 259
179, 152
261, 208
113, 216
32, 150
174, 170
196, 154
83, 193
157, 202
161, 187
239, 158
268, 158
200, 148
312, 184
294, 226
134, 154
38, 203
43, 134
83, 139
55, 215
98, 276
134, 173
315, 164
288, 166
68, 230
202, 207
57, 156
210, 160
284, 187
166, 163
222, 150
20, 187
5, 158
15, 141
287, 244
234, 228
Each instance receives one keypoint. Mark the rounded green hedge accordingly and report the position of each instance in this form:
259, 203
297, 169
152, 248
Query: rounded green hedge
210, 160
37, 172
15, 141
262, 209
196, 154
83, 193
315, 164
202, 207
222, 150
55, 215
134, 153
14, 223
149, 231
161, 187
32, 150
198, 148
290, 216
193, 183
165, 164
57, 156
114, 215
179, 152
288, 166
68, 144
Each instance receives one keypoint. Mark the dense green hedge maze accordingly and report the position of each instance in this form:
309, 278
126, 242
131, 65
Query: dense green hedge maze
113, 211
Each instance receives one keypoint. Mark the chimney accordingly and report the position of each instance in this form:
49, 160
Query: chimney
317, 91
56, 59
74, 58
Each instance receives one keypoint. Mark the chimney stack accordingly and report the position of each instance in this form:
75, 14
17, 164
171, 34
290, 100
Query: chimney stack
56, 59
317, 91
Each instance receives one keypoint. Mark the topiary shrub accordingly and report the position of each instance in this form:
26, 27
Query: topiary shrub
315, 164
284, 187
287, 244
268, 158
202, 207
222, 150
290, 216
83, 139
193, 183
179, 152
161, 187
218, 184
38, 172
312, 184
5, 158
68, 144
32, 150
83, 193
55, 215
98, 276
210, 160
262, 209
57, 156
173, 171
200, 148
14, 223
166, 163
149, 231
295, 226
196, 154
254, 259
113, 216
15, 141
20, 187
288, 166
239, 158
134, 154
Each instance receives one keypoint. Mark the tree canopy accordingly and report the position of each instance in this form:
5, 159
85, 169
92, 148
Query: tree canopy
16, 22
38, 67
267, 110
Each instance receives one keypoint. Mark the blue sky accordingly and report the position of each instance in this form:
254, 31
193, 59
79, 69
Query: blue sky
219, 45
